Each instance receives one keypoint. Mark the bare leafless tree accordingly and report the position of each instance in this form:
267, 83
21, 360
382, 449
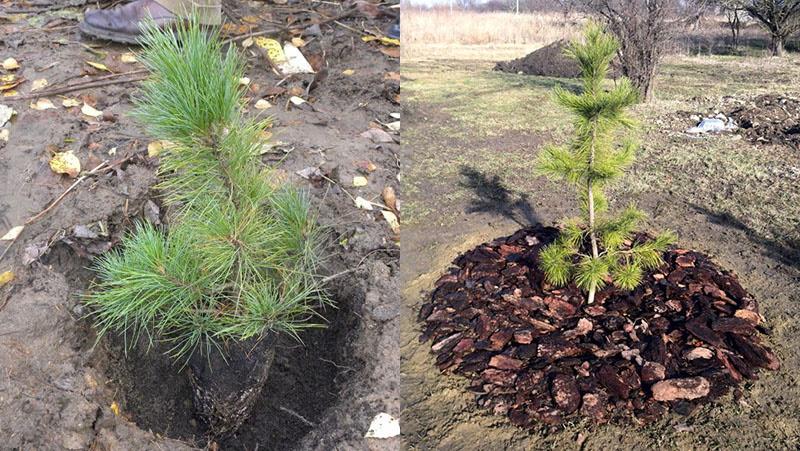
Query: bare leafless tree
643, 28
781, 18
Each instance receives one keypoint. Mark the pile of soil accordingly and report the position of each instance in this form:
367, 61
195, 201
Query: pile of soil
770, 119
548, 61
686, 336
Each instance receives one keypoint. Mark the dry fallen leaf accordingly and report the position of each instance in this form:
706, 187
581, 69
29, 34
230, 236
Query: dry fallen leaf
154, 148
90, 111
247, 43
5, 114
389, 198
12, 234
4, 134
66, 163
298, 42
262, 104
38, 84
128, 58
391, 218
383, 426
6, 277
244, 81
363, 203
359, 181
42, 104
366, 166
69, 103
348, 72
115, 408
99, 66
10, 64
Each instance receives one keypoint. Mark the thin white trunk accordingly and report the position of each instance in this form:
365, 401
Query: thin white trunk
590, 188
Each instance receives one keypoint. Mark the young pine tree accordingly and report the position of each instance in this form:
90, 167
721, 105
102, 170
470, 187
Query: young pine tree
241, 253
596, 248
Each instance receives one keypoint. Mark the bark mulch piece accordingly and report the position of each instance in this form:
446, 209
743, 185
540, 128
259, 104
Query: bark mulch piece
686, 336
770, 119
548, 61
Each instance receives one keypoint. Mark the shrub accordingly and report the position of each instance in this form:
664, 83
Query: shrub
241, 253
597, 246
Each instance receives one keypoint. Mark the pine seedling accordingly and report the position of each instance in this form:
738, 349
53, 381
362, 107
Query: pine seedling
597, 247
241, 254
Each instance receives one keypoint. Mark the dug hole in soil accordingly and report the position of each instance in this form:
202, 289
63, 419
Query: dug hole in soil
687, 335
58, 390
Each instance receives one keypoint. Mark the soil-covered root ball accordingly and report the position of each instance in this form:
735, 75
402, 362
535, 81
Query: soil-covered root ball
685, 336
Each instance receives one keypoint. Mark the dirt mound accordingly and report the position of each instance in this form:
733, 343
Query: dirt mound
769, 118
686, 336
548, 61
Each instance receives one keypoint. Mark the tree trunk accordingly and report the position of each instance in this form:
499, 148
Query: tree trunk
777, 45
590, 207
226, 384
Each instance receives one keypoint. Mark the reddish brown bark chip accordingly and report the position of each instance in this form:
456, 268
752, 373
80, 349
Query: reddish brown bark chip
565, 393
540, 355
687, 388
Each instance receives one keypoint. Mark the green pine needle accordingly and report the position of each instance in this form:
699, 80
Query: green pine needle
591, 161
241, 254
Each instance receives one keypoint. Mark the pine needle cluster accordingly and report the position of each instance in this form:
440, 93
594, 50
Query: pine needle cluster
241, 253
597, 248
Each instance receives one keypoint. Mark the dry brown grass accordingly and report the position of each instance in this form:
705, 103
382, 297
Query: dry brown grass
440, 27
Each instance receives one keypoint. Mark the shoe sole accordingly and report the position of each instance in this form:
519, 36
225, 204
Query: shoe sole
109, 35
122, 38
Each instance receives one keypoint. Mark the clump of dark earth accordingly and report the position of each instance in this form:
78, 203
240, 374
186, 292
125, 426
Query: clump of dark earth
687, 335
769, 119
548, 61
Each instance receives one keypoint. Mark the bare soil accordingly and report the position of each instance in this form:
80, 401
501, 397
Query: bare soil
56, 387
548, 61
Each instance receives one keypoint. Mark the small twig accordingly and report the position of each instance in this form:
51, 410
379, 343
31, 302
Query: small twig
327, 279
298, 416
53, 204
77, 87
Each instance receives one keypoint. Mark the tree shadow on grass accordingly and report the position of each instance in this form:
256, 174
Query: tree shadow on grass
785, 251
491, 195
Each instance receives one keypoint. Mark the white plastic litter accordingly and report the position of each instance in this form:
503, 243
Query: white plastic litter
712, 125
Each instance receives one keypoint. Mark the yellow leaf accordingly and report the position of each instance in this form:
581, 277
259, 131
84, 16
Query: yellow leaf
115, 408
6, 277
154, 148
10, 93
66, 163
38, 84
360, 180
250, 19
90, 111
298, 42
348, 72
12, 234
128, 58
69, 102
4, 134
100, 66
42, 104
9, 86
383, 40
10, 64
8, 78
273, 48
262, 104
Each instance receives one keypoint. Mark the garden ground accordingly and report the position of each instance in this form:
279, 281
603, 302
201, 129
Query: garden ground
473, 134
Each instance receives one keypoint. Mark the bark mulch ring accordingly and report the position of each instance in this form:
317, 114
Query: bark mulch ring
686, 336
548, 61
769, 119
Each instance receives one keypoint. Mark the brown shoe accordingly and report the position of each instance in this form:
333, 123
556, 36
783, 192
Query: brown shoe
124, 23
